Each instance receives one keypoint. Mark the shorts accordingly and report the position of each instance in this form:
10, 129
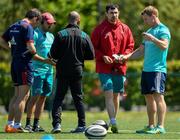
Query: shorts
114, 83
153, 82
22, 73
43, 84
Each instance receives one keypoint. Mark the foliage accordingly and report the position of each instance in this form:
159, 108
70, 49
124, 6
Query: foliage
173, 80
134, 96
92, 89
93, 93
5, 85
92, 12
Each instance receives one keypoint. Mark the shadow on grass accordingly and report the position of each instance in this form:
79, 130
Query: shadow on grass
124, 132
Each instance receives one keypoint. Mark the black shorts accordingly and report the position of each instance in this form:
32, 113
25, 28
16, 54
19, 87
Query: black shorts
153, 82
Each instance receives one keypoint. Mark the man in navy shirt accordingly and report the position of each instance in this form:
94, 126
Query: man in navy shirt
19, 38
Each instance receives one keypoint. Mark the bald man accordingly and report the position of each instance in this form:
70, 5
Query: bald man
70, 48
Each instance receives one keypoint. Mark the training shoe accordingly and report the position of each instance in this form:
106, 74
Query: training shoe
114, 128
29, 128
56, 129
9, 129
37, 129
79, 129
20, 130
160, 130
147, 130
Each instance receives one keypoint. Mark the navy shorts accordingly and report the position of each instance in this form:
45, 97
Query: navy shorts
22, 73
153, 82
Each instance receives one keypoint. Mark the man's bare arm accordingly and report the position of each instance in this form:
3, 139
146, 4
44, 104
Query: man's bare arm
161, 43
4, 44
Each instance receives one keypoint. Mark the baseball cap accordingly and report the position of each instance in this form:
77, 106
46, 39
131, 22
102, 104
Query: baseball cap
48, 17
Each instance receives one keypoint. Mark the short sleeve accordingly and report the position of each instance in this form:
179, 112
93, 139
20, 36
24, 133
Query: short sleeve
6, 35
35, 38
164, 34
29, 35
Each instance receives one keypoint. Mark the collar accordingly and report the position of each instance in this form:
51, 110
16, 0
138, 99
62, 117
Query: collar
72, 26
43, 33
112, 25
26, 20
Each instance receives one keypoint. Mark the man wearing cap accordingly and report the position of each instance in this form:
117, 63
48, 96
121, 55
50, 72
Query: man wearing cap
43, 73
19, 39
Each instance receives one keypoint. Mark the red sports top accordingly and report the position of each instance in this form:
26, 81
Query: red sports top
109, 39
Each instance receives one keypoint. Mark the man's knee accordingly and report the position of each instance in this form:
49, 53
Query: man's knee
42, 98
78, 99
159, 98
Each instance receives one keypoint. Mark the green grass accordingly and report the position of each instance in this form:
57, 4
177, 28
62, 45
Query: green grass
128, 122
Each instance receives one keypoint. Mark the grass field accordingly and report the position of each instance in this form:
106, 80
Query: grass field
128, 122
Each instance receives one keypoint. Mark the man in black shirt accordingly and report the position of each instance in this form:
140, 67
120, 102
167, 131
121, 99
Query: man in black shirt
70, 48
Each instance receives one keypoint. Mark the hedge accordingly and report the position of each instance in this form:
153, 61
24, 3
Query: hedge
134, 96
92, 89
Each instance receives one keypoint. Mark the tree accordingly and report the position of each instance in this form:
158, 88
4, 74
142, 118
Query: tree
92, 11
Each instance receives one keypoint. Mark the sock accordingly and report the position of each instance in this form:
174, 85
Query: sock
17, 125
112, 121
36, 122
151, 126
28, 121
160, 126
11, 123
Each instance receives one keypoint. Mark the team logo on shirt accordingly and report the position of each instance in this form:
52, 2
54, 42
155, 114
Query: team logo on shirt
12, 41
107, 34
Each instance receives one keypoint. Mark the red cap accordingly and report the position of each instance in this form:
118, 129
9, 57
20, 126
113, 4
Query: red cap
48, 17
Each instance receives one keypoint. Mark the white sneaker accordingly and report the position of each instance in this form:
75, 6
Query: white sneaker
56, 129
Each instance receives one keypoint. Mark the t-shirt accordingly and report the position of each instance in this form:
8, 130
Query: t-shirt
154, 57
18, 34
43, 42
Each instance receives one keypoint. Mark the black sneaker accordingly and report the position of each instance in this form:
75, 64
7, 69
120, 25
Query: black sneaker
21, 130
79, 129
29, 128
56, 129
114, 128
37, 129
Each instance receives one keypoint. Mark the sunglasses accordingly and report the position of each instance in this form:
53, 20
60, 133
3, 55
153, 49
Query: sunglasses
147, 13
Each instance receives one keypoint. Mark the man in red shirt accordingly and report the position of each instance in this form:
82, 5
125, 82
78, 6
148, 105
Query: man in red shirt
111, 40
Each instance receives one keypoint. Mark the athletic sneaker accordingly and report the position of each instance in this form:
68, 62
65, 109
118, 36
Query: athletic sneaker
160, 130
37, 129
29, 128
9, 129
79, 129
114, 128
152, 130
147, 130
56, 129
21, 130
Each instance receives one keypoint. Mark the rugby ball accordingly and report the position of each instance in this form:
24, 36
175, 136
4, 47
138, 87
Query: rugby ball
101, 123
95, 132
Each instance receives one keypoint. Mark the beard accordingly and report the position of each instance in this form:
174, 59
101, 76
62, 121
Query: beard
113, 19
